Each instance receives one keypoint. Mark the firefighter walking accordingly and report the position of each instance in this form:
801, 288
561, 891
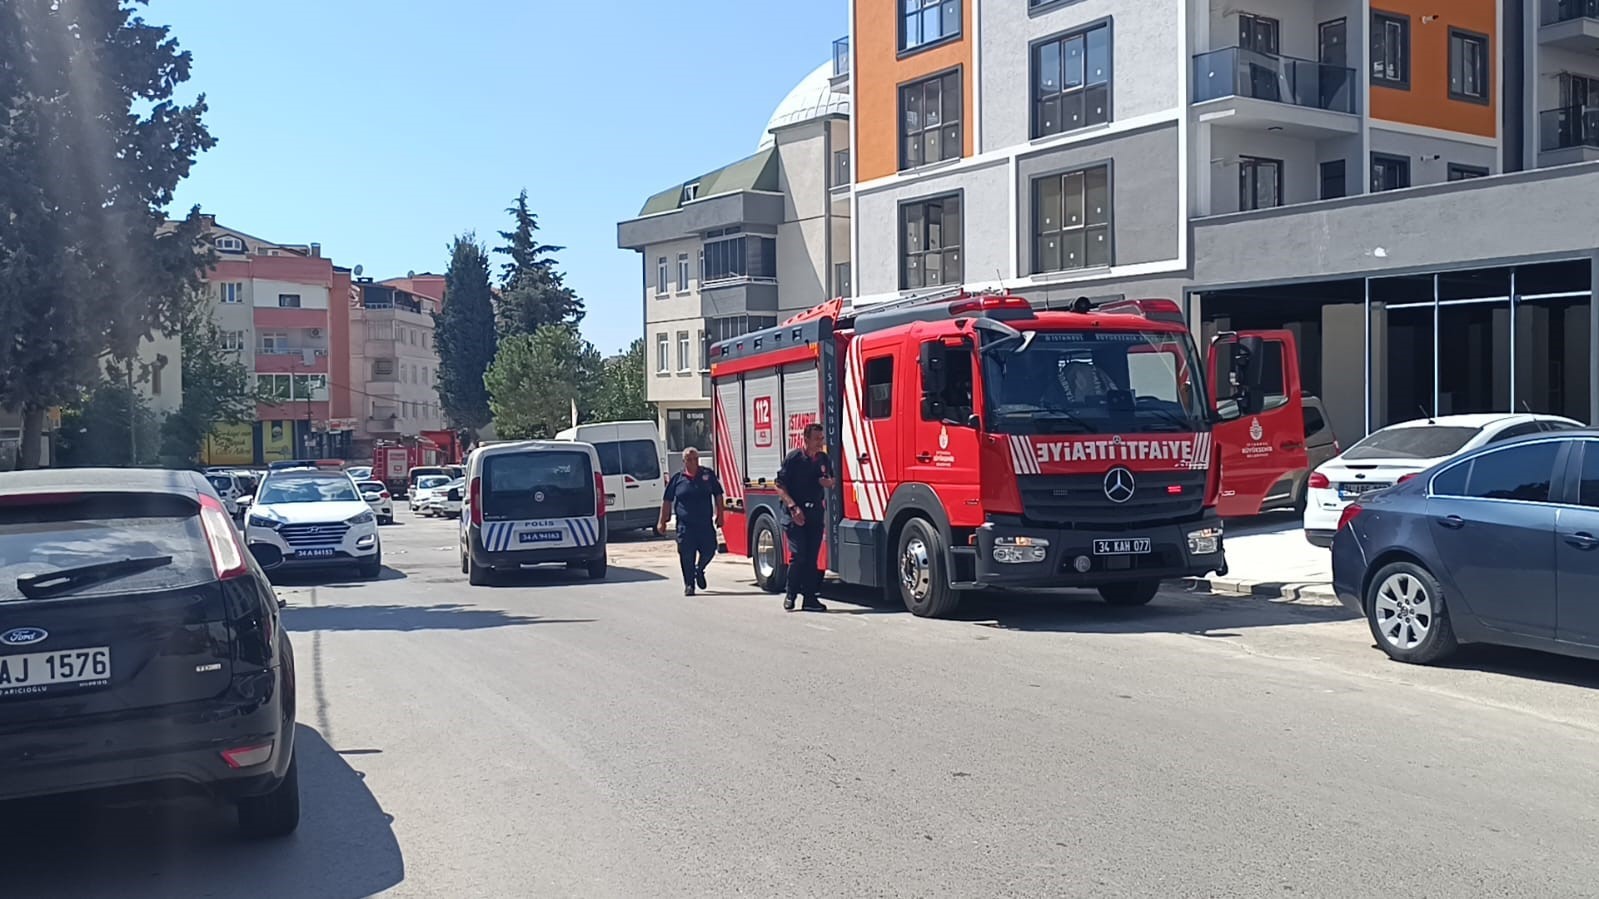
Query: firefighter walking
694, 498
805, 474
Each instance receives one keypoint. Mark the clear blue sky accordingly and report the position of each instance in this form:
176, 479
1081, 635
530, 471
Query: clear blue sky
381, 128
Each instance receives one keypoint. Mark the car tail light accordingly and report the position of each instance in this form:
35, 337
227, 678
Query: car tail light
227, 554
1318, 481
1350, 513
383, 495
247, 756
599, 496
477, 501
1405, 477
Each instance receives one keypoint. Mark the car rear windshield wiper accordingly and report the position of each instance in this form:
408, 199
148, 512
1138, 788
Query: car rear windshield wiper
51, 583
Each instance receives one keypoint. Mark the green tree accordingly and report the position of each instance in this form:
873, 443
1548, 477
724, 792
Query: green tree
103, 426
619, 396
465, 338
92, 146
217, 386
533, 292
536, 378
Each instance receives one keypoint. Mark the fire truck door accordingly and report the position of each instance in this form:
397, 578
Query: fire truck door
1258, 451
871, 437
943, 446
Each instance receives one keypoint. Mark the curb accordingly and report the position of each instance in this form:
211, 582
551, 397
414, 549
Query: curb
1308, 592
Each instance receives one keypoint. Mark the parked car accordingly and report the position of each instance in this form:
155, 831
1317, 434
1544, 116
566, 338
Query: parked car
360, 473
1499, 545
531, 503
633, 460
140, 645
421, 495
378, 499
1387, 455
315, 517
229, 488
446, 501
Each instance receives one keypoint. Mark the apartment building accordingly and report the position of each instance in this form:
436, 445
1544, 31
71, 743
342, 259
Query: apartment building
740, 247
285, 309
394, 363
1404, 185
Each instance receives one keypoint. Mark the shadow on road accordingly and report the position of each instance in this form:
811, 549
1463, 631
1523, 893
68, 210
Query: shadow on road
330, 577
1526, 663
556, 575
82, 846
379, 617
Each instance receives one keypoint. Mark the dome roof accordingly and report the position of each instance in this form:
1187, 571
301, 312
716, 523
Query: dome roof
812, 98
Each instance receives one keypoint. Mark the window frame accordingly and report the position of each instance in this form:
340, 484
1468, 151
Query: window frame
1461, 37
1036, 100
1275, 25
661, 287
1379, 18
901, 252
1037, 235
1466, 172
901, 40
959, 75
682, 273
1377, 157
869, 366
685, 360
1343, 179
1254, 164
299, 301
1560, 475
663, 353
230, 293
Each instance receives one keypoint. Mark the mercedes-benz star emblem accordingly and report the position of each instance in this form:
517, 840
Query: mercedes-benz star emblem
1119, 485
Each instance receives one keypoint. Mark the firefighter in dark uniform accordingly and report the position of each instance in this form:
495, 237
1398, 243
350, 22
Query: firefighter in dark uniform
801, 482
694, 498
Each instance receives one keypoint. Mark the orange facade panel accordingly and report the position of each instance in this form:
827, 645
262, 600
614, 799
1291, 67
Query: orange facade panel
880, 69
1428, 100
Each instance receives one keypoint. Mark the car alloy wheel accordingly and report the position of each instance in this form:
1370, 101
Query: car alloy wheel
1403, 611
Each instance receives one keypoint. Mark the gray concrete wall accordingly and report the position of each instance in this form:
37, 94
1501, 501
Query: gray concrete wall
985, 237
1145, 47
1145, 201
1421, 149
802, 252
1300, 174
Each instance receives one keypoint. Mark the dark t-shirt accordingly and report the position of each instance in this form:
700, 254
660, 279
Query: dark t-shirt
801, 476
692, 498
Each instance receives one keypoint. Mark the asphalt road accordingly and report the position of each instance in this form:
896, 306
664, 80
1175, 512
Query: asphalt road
567, 738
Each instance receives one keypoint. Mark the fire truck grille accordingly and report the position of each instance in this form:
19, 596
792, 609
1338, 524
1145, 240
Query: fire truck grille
1080, 499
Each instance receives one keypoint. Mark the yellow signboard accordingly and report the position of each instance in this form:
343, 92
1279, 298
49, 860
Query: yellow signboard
230, 444
277, 441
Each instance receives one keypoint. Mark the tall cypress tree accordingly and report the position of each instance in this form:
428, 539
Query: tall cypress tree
465, 336
533, 292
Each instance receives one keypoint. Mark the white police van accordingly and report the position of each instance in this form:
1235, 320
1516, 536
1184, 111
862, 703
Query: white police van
532, 502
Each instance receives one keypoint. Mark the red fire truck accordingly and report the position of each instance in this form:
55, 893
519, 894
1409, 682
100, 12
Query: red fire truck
983, 443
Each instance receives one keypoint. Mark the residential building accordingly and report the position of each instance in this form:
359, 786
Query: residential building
426, 284
286, 310
740, 247
394, 363
1401, 184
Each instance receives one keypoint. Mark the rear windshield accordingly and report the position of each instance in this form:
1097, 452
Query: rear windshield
419, 473
431, 481
1418, 442
105, 528
631, 457
546, 484
372, 487
221, 483
302, 488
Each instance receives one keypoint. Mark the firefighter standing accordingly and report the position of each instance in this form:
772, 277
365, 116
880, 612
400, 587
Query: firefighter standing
693, 497
805, 474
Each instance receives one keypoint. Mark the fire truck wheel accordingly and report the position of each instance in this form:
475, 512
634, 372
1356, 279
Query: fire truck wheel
1129, 593
919, 571
766, 554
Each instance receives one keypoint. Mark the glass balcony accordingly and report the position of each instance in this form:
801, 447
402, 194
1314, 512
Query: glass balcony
1569, 126
1236, 72
841, 57
1555, 11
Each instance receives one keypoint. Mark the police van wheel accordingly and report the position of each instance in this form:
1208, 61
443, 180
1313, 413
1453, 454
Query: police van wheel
766, 555
920, 574
597, 568
477, 575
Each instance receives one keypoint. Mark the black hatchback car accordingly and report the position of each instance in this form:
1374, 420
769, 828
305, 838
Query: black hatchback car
140, 645
1497, 546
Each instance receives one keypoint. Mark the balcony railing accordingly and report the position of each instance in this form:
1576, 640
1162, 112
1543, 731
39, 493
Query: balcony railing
1569, 126
1556, 11
1236, 72
317, 351
840, 57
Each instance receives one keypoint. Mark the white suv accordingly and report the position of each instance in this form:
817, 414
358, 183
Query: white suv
315, 518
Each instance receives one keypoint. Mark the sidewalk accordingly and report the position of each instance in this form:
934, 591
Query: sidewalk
1268, 557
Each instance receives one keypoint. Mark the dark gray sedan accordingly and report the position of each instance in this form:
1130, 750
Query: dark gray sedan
1497, 546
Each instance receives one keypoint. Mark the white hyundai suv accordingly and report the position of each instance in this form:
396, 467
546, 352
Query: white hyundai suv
315, 518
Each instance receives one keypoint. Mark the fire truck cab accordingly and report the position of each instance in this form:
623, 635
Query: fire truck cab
981, 442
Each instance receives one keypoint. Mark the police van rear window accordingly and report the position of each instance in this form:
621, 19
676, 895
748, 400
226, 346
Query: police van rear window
545, 484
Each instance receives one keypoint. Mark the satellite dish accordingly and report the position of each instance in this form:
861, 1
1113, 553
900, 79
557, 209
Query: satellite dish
359, 270
411, 273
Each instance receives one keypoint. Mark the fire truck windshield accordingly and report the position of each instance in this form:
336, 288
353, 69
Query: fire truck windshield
1093, 382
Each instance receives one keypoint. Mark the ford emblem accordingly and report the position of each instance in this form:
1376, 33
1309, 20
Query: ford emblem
24, 636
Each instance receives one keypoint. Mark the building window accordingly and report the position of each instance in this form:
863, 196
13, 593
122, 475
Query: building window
879, 387
1468, 66
702, 266
686, 428
274, 343
684, 363
288, 300
930, 243
841, 279
1260, 183
231, 340
928, 21
231, 292
705, 357
682, 271
1459, 172
841, 168
1334, 183
730, 254
230, 244
660, 276
1390, 50
1258, 33
691, 192
1389, 172
1071, 82
662, 363
380, 330
930, 120
383, 369
1071, 220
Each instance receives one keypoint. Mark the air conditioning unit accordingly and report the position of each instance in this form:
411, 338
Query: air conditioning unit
316, 332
